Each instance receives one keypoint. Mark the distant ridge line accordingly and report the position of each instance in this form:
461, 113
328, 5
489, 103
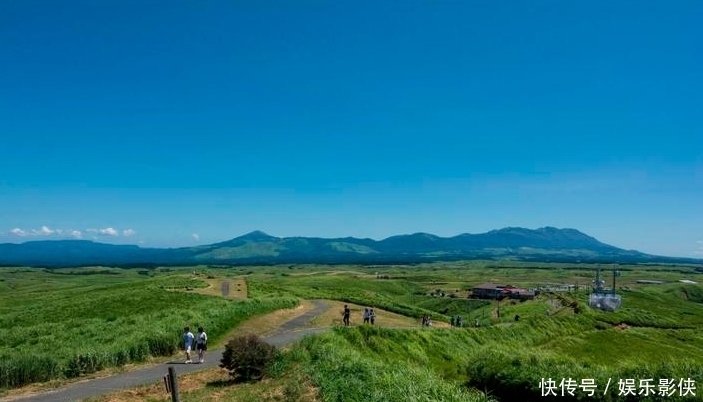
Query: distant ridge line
545, 244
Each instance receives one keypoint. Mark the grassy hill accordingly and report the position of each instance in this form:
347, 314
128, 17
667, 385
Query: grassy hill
656, 334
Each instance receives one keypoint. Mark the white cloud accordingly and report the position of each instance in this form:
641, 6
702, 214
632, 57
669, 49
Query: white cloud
109, 232
45, 231
128, 232
18, 232
92, 230
76, 233
195, 236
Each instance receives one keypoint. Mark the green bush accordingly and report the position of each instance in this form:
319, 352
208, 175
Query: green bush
83, 364
248, 357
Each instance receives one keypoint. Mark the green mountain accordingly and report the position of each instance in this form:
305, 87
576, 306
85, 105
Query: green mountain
546, 244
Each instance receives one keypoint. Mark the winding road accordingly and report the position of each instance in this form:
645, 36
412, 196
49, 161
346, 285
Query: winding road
289, 332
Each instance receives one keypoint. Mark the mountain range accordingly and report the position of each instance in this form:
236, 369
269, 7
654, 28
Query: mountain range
547, 244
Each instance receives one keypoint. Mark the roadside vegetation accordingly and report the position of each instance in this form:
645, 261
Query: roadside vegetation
59, 325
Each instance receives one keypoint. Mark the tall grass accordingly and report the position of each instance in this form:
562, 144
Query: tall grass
516, 374
98, 322
343, 372
349, 364
81, 329
656, 334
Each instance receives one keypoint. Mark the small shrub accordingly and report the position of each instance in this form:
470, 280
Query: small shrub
247, 358
81, 364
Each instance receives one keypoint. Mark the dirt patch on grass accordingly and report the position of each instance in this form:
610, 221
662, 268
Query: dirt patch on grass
333, 317
621, 326
229, 288
296, 388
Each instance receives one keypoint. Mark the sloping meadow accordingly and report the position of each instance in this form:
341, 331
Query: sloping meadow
655, 336
78, 328
507, 363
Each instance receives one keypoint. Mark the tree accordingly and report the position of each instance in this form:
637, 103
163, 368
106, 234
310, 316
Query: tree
247, 357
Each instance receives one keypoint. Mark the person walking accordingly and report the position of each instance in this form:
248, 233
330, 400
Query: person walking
372, 316
366, 315
345, 315
188, 339
201, 344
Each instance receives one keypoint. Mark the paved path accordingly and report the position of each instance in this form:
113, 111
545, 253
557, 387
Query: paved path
286, 334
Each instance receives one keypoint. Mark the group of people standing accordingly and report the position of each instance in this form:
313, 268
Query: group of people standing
456, 322
369, 315
426, 320
198, 341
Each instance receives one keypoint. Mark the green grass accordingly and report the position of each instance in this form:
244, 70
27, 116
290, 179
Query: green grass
388, 295
88, 323
359, 364
450, 365
656, 334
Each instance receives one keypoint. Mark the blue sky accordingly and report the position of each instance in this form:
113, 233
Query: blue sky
132, 122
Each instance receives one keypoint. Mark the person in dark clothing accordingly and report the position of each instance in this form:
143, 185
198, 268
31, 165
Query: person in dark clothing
201, 344
452, 321
345, 315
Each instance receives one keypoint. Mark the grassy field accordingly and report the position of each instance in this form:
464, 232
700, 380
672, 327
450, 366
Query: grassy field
656, 334
66, 323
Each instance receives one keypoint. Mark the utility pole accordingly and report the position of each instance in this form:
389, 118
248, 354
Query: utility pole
615, 273
173, 382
